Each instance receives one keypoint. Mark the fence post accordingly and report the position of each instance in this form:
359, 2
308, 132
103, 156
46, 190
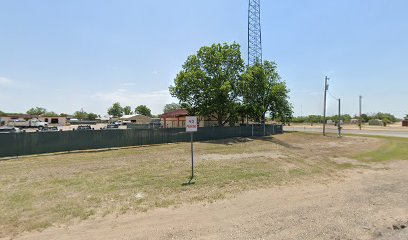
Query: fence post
264, 128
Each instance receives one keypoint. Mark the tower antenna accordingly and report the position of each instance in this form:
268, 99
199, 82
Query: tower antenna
254, 32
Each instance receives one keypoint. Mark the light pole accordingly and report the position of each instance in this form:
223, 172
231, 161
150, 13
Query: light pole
326, 87
360, 120
339, 121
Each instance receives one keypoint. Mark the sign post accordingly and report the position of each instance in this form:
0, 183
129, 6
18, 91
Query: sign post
191, 127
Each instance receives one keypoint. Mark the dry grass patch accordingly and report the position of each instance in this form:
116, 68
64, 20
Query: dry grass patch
41, 191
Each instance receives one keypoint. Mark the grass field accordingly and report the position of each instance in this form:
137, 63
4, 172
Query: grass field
394, 149
40, 191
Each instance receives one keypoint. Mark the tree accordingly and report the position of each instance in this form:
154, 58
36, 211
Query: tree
81, 115
263, 91
127, 110
116, 110
91, 116
315, 119
143, 110
171, 107
385, 117
63, 115
365, 117
207, 85
50, 114
2, 113
36, 111
406, 117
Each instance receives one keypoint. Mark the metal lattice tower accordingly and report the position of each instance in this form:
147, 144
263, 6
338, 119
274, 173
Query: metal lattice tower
254, 32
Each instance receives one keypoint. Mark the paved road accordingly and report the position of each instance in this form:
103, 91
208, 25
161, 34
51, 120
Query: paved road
350, 131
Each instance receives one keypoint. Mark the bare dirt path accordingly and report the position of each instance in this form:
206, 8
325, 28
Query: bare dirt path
362, 204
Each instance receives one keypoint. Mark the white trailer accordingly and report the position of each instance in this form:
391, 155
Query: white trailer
33, 123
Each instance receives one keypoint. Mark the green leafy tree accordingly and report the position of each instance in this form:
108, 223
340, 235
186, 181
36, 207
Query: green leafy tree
406, 117
298, 119
81, 115
315, 119
263, 91
365, 117
171, 107
37, 111
207, 85
143, 110
50, 114
127, 110
91, 116
116, 110
385, 117
2, 113
63, 115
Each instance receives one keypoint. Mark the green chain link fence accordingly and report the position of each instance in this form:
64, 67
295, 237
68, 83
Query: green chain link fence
19, 144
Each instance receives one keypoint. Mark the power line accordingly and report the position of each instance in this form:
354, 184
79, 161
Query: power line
331, 95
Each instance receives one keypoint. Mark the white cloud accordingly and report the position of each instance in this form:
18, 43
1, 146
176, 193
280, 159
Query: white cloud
128, 84
5, 81
155, 73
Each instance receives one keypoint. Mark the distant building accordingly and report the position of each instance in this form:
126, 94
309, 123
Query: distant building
174, 119
405, 123
135, 119
27, 117
177, 119
54, 120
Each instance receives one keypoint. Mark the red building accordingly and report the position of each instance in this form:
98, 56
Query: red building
174, 119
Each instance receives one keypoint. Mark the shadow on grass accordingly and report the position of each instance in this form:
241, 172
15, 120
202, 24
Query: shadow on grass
238, 140
230, 141
84, 151
189, 183
278, 142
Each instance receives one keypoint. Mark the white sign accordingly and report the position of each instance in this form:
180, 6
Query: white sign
191, 124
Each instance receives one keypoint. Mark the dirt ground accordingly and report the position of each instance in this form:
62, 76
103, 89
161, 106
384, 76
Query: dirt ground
363, 204
344, 198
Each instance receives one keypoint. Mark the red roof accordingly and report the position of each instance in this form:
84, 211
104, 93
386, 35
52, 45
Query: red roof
176, 113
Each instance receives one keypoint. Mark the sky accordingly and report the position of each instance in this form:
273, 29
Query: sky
68, 55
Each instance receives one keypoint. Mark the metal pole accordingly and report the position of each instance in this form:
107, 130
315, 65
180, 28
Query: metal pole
360, 120
324, 109
264, 128
192, 156
252, 130
339, 122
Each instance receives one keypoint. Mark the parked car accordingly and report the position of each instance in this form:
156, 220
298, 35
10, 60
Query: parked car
7, 129
84, 128
49, 129
111, 127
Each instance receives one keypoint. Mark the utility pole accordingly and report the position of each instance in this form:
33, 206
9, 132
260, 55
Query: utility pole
339, 121
326, 87
360, 120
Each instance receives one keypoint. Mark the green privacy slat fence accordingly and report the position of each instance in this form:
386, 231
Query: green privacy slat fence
18, 144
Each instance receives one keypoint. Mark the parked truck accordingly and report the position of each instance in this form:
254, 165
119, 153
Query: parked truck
33, 123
